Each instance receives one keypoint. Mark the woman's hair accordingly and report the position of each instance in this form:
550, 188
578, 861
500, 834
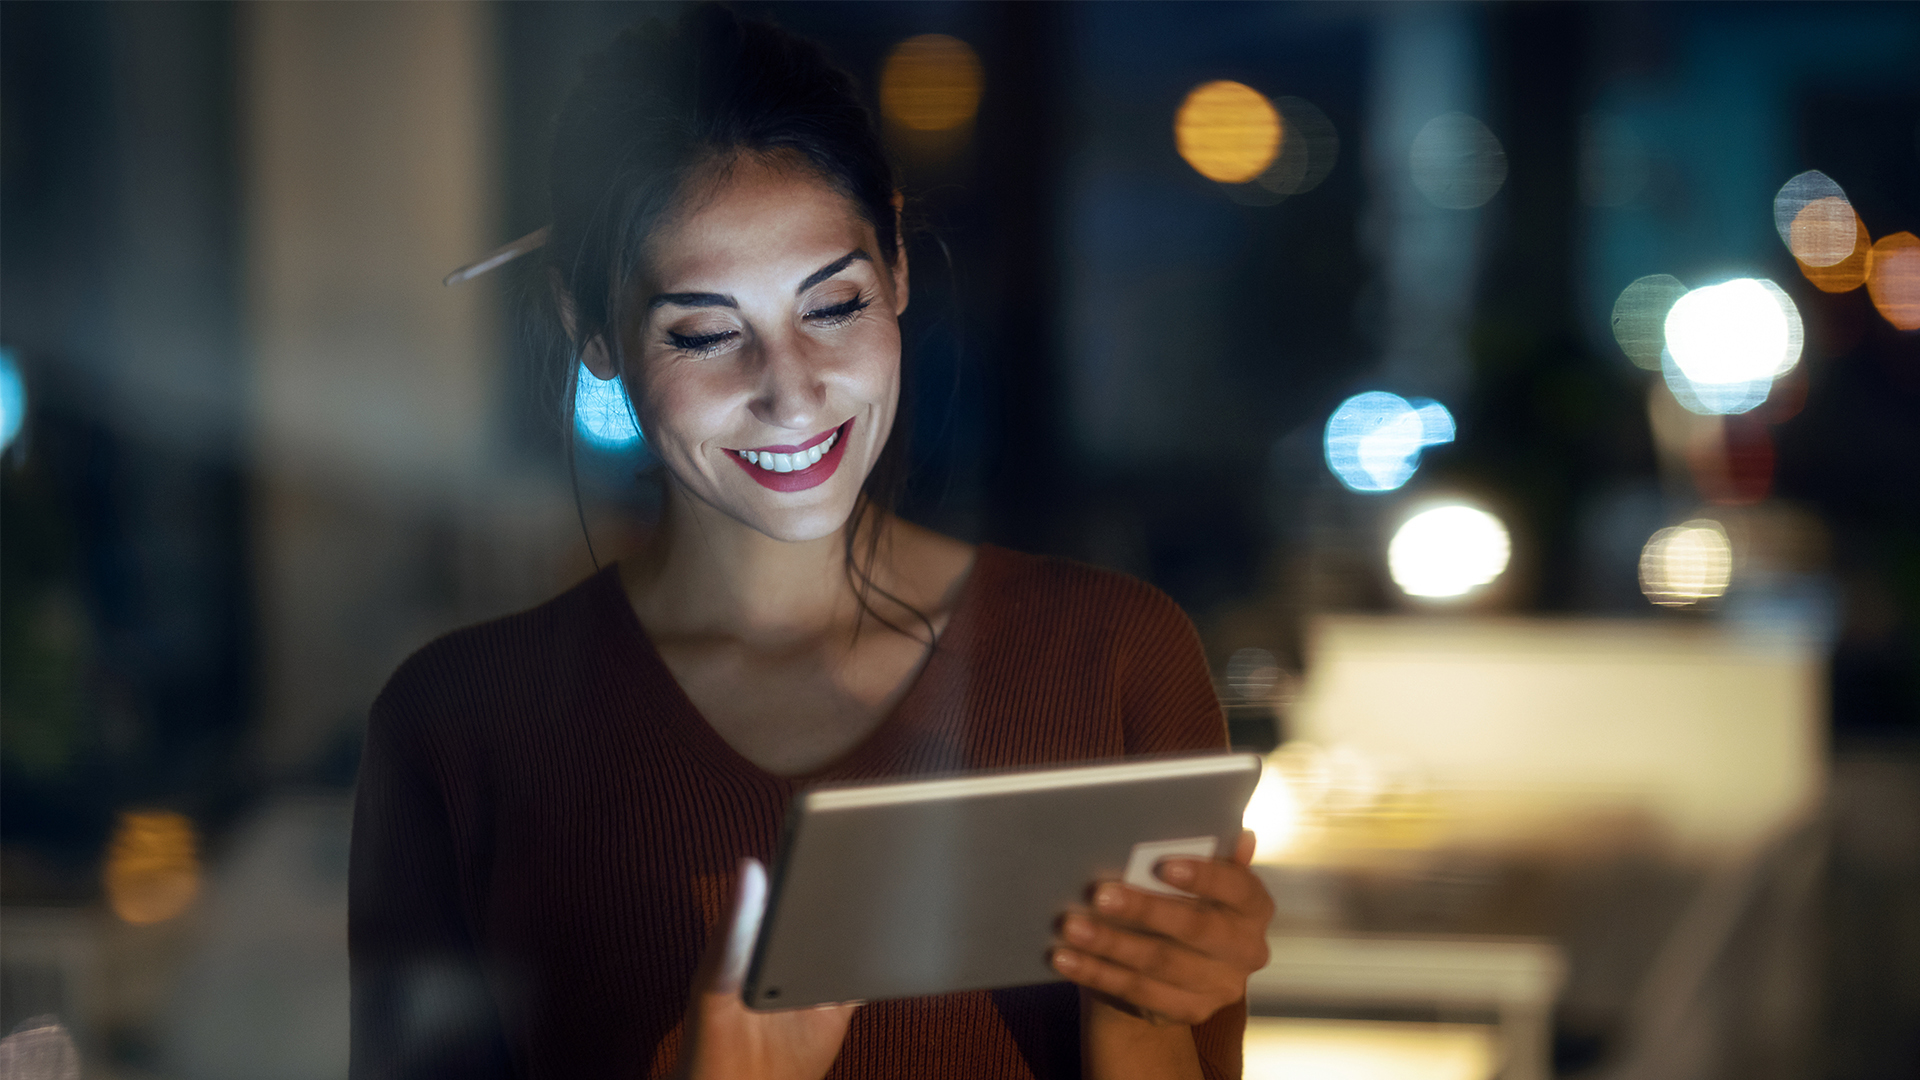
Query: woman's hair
665, 104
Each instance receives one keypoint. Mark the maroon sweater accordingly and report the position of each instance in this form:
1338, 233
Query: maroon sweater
547, 830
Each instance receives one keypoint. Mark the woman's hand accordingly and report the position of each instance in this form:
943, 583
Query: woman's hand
725, 1040
1165, 960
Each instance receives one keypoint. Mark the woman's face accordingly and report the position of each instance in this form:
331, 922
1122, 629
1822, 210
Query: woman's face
764, 355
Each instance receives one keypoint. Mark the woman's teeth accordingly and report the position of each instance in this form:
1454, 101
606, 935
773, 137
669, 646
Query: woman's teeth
803, 460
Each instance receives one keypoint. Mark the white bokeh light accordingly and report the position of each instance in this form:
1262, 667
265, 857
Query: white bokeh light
1728, 333
1686, 564
1457, 162
1374, 440
601, 413
1448, 551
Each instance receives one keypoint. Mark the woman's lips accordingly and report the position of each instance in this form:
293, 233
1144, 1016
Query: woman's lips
803, 468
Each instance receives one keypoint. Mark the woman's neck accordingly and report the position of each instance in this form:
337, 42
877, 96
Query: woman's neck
705, 574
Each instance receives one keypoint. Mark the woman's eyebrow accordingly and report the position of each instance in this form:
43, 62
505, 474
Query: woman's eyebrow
831, 269
709, 299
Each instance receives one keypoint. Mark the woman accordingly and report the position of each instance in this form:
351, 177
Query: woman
554, 807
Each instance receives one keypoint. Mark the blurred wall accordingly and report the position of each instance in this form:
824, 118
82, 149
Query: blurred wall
386, 512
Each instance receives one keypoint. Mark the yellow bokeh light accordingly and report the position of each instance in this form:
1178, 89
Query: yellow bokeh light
1227, 131
153, 866
1893, 279
931, 83
1287, 1047
1822, 232
1686, 564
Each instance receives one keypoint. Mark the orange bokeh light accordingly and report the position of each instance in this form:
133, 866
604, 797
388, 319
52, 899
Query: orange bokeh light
1893, 279
1227, 131
1848, 273
931, 83
153, 866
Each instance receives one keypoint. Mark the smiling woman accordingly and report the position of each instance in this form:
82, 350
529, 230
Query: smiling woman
555, 807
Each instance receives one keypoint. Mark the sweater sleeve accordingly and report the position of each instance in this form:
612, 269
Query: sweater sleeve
1168, 705
421, 1006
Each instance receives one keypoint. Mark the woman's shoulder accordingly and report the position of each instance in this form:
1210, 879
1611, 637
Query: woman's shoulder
508, 657
1023, 585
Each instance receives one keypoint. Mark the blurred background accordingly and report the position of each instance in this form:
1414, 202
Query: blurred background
1523, 400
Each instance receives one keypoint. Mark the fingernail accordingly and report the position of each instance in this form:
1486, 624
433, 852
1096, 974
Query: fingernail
1177, 872
1079, 930
1064, 960
1108, 898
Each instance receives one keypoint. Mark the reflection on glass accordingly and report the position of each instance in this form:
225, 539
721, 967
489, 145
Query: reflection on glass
931, 83
1894, 280
1457, 162
601, 412
1309, 147
1448, 551
1686, 564
1227, 131
1640, 317
153, 866
1796, 195
1374, 440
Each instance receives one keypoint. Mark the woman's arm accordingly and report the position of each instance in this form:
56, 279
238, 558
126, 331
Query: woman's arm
1164, 978
421, 1005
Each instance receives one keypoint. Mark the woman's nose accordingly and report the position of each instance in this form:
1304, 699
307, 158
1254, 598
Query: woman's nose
792, 392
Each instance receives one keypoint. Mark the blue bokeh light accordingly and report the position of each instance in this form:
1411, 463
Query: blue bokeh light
13, 399
601, 412
1374, 440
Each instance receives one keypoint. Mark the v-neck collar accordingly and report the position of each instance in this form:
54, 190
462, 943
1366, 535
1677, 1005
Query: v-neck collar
704, 742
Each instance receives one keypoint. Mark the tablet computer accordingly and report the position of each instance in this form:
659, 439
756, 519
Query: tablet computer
899, 889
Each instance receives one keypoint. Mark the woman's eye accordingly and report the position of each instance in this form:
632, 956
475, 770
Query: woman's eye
699, 343
839, 313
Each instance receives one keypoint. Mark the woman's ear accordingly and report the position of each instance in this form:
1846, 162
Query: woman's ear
900, 290
592, 353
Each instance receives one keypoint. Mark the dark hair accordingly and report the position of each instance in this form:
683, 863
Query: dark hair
664, 103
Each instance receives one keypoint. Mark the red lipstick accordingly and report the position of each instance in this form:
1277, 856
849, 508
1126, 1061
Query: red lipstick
800, 479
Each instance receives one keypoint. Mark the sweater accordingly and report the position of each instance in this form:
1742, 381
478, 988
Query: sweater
546, 830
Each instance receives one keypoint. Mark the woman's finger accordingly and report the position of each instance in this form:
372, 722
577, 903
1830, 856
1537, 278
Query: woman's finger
1229, 884
1200, 925
1136, 989
1156, 957
743, 927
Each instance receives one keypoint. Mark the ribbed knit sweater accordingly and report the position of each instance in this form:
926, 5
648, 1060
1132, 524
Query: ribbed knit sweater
546, 828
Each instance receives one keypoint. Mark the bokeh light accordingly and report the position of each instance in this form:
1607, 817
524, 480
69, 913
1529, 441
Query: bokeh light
931, 83
601, 412
1893, 280
1823, 231
1713, 399
1640, 317
1734, 332
1374, 440
1253, 673
153, 866
1309, 148
1850, 272
1448, 551
1227, 131
1457, 162
1796, 195
1273, 813
1686, 564
13, 399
